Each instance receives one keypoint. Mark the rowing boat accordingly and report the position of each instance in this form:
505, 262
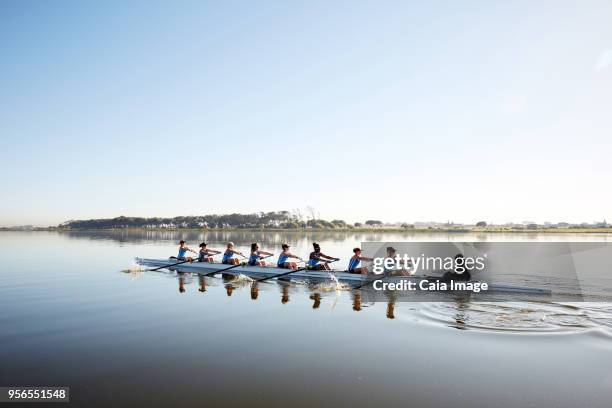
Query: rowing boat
313, 275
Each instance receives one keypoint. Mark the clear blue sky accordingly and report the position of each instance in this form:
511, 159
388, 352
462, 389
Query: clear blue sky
410, 111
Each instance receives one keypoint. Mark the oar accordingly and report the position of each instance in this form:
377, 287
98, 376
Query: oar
167, 266
382, 276
232, 267
287, 273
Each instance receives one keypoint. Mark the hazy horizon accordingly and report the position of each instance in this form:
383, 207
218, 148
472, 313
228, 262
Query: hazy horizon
307, 217
397, 111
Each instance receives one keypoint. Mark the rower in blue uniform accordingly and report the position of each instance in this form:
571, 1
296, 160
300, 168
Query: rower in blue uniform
317, 256
205, 254
228, 255
405, 268
355, 262
256, 255
183, 249
283, 259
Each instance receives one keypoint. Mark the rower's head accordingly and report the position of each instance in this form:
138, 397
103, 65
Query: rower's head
254, 246
357, 251
390, 252
230, 245
203, 245
181, 242
285, 247
316, 247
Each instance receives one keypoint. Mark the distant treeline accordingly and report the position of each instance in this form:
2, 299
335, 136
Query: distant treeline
271, 220
296, 220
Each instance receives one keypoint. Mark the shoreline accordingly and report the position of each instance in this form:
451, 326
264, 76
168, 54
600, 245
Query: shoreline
360, 230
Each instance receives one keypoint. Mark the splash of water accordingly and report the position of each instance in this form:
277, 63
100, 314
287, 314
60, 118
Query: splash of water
243, 278
337, 285
135, 271
134, 268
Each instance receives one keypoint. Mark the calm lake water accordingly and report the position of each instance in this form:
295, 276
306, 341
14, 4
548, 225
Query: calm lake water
75, 311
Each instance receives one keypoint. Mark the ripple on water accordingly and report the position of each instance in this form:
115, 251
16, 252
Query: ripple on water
501, 317
520, 316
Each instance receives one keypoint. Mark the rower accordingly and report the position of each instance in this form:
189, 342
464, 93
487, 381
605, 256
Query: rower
228, 255
183, 249
206, 255
392, 253
317, 256
459, 273
284, 256
355, 261
256, 255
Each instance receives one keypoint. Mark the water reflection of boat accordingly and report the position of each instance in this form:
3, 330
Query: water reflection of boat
261, 272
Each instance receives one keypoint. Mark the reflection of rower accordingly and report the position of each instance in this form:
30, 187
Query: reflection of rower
285, 297
202, 283
229, 288
462, 305
254, 291
391, 297
356, 300
317, 256
181, 283
355, 262
391, 310
205, 254
317, 300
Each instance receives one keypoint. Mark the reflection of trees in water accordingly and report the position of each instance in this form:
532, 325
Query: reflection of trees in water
265, 237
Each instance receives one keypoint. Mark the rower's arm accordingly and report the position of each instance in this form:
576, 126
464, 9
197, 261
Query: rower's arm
365, 258
329, 258
265, 253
